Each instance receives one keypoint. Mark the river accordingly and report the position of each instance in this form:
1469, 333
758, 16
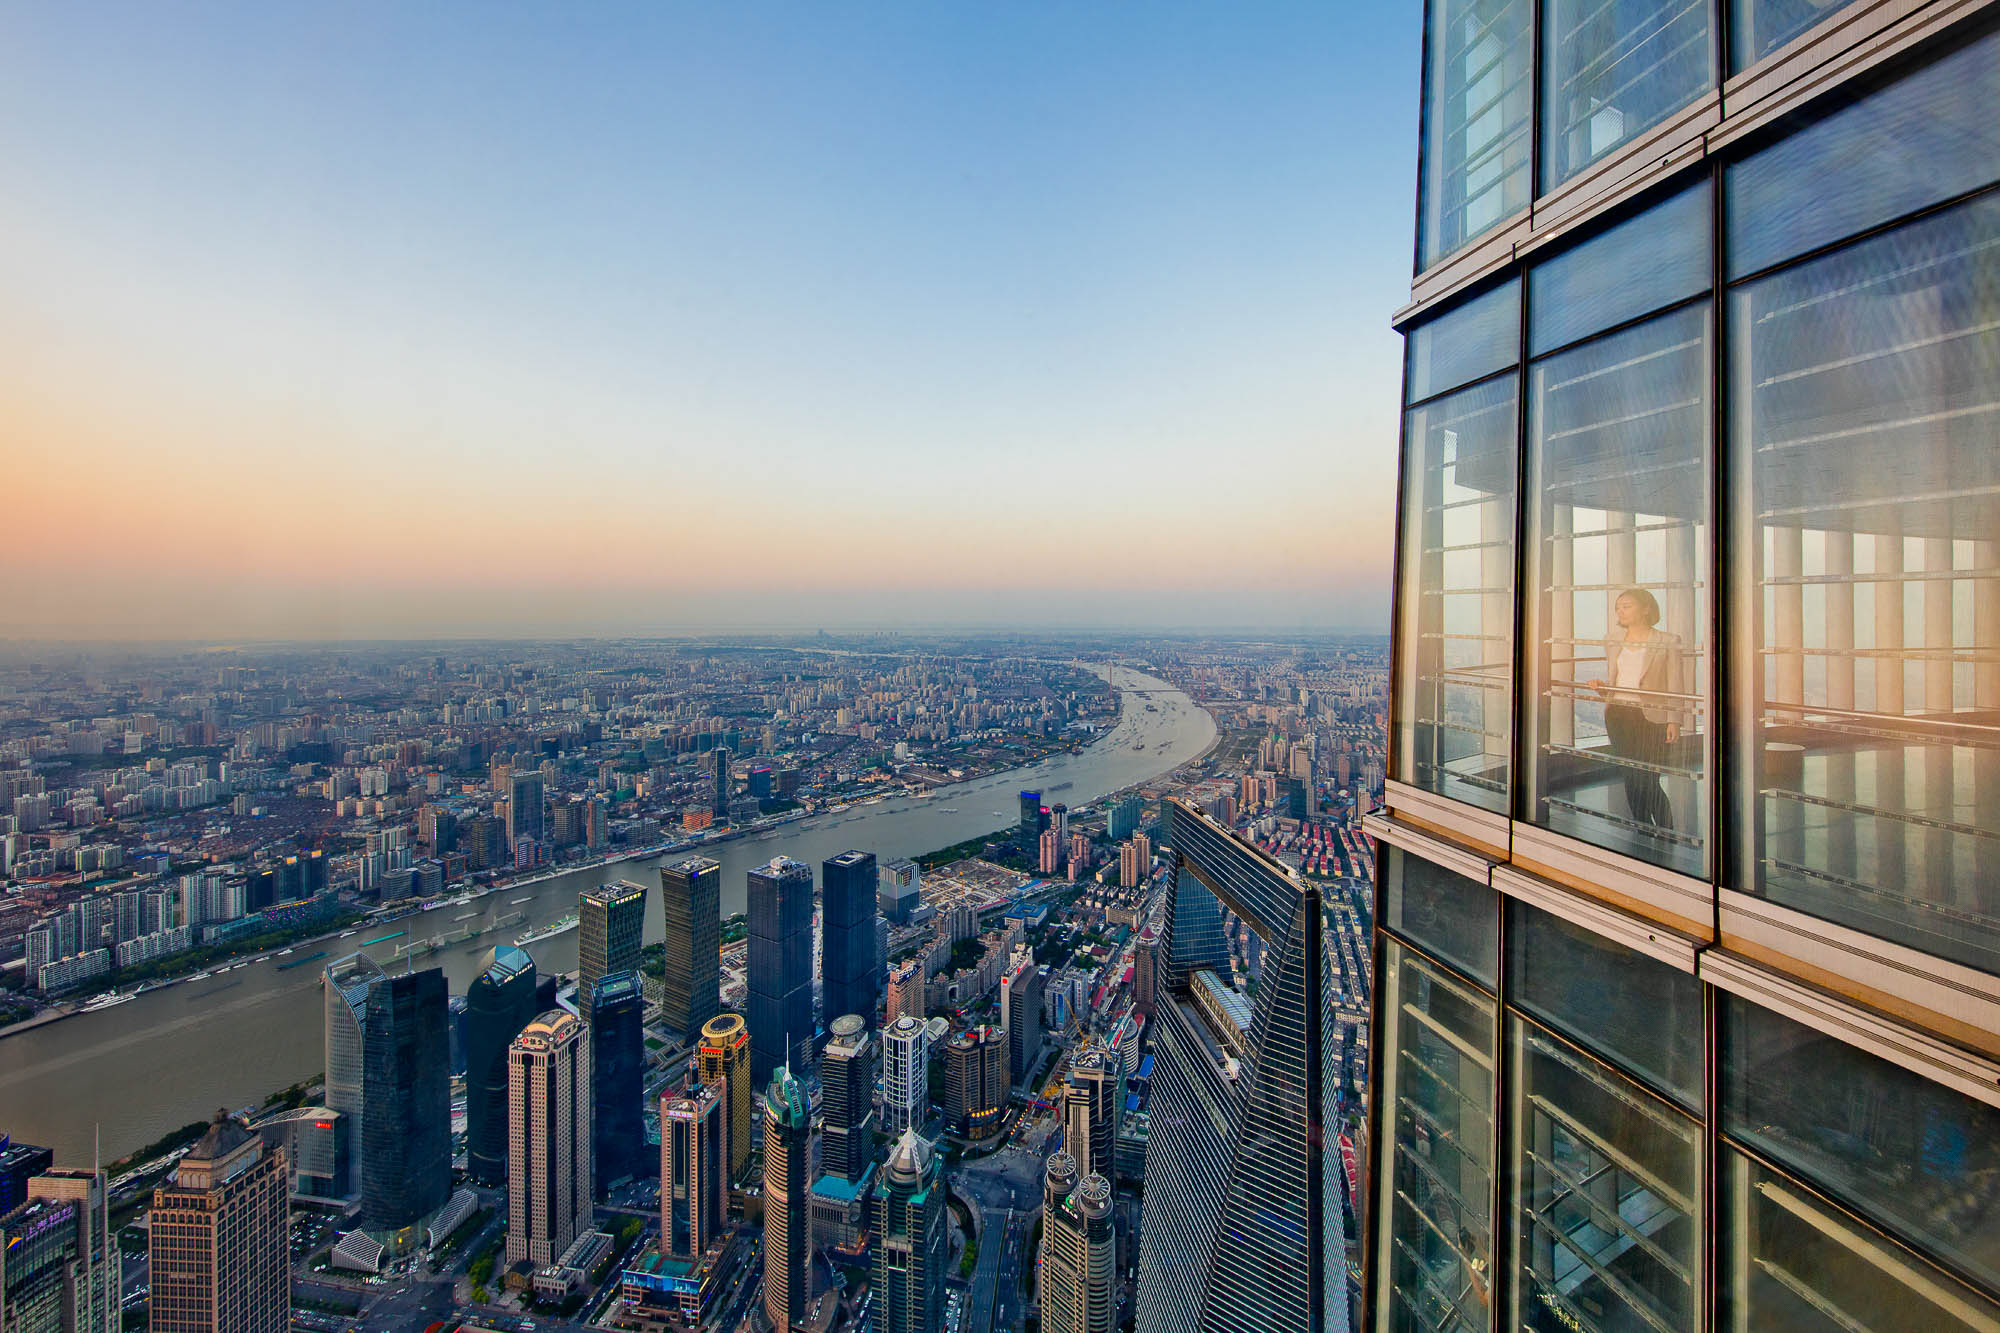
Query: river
172, 1057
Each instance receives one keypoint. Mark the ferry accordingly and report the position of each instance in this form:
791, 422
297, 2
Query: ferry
562, 927
836, 809
281, 953
104, 1001
201, 976
345, 933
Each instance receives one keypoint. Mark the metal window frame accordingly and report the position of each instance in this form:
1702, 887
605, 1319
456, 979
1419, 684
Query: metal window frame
1676, 949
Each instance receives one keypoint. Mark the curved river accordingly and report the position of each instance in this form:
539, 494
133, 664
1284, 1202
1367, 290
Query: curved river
171, 1057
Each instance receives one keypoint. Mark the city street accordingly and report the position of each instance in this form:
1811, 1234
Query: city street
1005, 1190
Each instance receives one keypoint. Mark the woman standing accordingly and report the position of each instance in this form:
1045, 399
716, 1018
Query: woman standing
1642, 709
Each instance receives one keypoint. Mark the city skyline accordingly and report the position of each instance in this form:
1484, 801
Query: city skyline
384, 310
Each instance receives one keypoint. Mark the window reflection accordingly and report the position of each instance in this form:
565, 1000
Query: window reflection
1435, 1239
1455, 918
1867, 386
1759, 27
1455, 686
1794, 1264
1916, 1156
1618, 459
1607, 1194
1475, 159
1613, 69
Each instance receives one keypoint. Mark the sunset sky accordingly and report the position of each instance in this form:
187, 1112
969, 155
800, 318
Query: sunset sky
386, 320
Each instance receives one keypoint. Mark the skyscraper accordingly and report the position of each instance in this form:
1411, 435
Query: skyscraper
780, 967
498, 1004
694, 1171
1031, 817
346, 983
617, 1075
524, 807
851, 980
58, 1272
405, 1100
906, 1067
975, 1080
1243, 1224
1688, 955
691, 910
219, 1238
787, 1163
610, 930
719, 759
910, 1254
724, 1056
1021, 1015
1079, 1250
847, 1080
1090, 1111
549, 1136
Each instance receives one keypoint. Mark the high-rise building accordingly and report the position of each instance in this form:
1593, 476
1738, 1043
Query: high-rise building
1090, 1111
548, 1149
910, 1243
1125, 818
1244, 1225
787, 1168
498, 1004
847, 1103
780, 967
524, 807
906, 1070
899, 890
719, 759
58, 1272
1135, 861
219, 1238
1079, 1250
976, 1086
1688, 993
617, 1075
610, 931
405, 1100
694, 1171
851, 978
1145, 971
691, 909
1049, 857
346, 983
1021, 1014
724, 1063
20, 1163
906, 992
1031, 817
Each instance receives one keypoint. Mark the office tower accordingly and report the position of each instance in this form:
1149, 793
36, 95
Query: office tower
719, 759
405, 1100
899, 891
1125, 817
548, 1148
910, 1242
1090, 1111
1145, 971
617, 1073
694, 1170
1079, 1249
975, 1080
1021, 1015
596, 824
724, 1056
847, 1102
524, 807
1049, 856
219, 1238
20, 1163
780, 967
851, 979
906, 992
691, 910
787, 1163
58, 1272
498, 1004
1244, 1224
1693, 802
906, 1068
1031, 817
610, 926
346, 983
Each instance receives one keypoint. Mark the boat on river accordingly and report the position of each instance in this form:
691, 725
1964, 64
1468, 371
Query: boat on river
562, 927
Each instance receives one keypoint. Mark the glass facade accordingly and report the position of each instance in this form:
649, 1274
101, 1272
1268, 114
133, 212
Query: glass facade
1477, 70
1613, 69
1442, 912
1760, 27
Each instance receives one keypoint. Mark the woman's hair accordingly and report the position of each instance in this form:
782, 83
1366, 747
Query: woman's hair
1649, 606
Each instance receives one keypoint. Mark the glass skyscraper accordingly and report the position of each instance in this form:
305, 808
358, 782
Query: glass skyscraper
691, 911
617, 1075
779, 965
405, 1100
498, 1004
851, 980
610, 933
1688, 926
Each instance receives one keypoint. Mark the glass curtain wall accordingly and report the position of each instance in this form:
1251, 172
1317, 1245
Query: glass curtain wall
1476, 121
1759, 27
1613, 69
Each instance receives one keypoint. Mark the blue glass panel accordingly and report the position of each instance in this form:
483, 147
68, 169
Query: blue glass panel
1478, 338
1759, 27
1476, 131
1613, 69
1644, 263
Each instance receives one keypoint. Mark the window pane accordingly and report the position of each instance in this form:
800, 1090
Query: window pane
1792, 1264
1915, 143
1475, 120
1658, 258
1434, 1239
1478, 338
1618, 461
1627, 1007
1760, 27
1455, 691
1868, 423
1613, 69
1606, 1196
1453, 917
1917, 1157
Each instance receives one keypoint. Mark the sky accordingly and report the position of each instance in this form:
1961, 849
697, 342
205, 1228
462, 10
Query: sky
387, 320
